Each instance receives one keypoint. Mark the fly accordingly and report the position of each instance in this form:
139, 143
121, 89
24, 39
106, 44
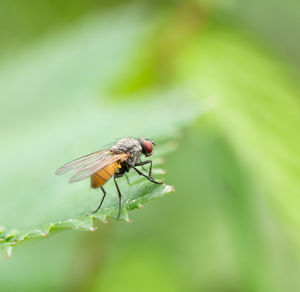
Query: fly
115, 161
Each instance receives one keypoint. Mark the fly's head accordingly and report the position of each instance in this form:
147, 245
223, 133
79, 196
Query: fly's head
146, 146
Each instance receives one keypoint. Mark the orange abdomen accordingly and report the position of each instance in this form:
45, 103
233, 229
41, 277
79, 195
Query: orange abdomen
99, 178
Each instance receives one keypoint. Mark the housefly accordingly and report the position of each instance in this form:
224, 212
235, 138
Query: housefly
114, 161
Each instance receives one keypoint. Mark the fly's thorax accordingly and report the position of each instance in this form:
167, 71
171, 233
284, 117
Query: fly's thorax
128, 145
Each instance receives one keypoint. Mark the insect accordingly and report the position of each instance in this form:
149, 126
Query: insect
114, 161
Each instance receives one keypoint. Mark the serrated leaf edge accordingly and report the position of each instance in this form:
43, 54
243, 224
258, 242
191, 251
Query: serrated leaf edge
85, 223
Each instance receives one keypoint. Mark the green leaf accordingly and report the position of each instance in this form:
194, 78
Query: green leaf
55, 107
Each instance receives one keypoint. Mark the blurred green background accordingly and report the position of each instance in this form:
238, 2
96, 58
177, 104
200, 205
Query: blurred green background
219, 77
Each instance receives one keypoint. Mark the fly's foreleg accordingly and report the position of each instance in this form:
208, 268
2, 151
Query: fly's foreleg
144, 175
142, 163
143, 168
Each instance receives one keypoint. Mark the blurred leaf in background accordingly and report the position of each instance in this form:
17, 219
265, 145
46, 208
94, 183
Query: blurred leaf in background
232, 224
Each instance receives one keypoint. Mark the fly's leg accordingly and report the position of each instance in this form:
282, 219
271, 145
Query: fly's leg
127, 178
117, 175
142, 163
143, 168
144, 175
104, 194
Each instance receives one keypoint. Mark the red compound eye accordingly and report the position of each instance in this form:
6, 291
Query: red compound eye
148, 146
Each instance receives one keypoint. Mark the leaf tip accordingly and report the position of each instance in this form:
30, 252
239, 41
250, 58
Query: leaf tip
9, 251
169, 189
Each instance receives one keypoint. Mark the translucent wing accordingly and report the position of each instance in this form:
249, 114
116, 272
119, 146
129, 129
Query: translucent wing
83, 162
105, 160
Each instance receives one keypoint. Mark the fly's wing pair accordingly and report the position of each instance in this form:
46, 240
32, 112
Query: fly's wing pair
87, 165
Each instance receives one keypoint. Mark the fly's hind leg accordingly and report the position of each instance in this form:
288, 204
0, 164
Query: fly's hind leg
102, 200
117, 175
